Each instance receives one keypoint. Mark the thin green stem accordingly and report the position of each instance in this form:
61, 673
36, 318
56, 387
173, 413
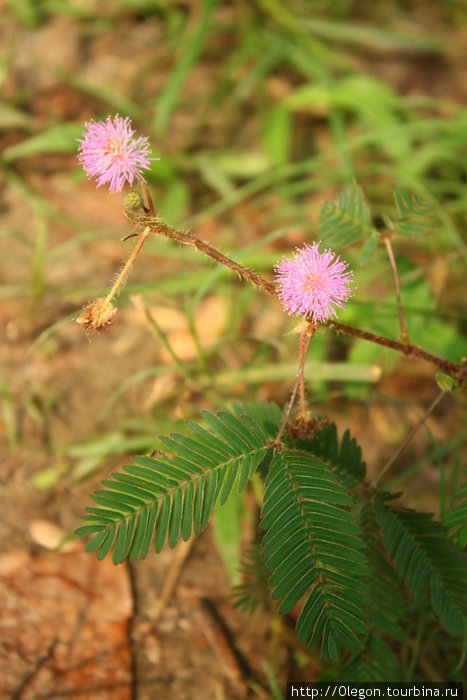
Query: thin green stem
201, 355
161, 336
37, 277
409, 437
392, 260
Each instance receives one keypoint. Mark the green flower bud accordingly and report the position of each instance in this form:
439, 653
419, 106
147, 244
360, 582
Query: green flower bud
445, 382
133, 205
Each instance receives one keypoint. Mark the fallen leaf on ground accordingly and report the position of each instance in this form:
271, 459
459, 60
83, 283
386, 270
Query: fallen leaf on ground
64, 627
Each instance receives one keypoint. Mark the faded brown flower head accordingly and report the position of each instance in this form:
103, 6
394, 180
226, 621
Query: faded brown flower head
96, 316
304, 427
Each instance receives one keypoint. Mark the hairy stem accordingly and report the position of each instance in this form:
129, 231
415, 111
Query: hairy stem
392, 260
459, 371
125, 270
160, 228
305, 339
303, 348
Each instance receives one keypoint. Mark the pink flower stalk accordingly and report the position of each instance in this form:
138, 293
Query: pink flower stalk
313, 283
109, 153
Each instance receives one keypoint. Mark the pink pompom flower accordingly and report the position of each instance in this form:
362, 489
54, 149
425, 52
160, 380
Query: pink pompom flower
313, 283
109, 152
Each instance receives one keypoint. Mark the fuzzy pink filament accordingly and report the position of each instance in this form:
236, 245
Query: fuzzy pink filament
109, 153
313, 283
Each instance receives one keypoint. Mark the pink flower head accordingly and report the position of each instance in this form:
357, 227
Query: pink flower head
313, 283
109, 152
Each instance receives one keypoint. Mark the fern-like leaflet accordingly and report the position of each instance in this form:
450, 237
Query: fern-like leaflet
424, 557
376, 661
313, 546
344, 457
254, 590
413, 214
172, 495
456, 519
345, 220
267, 414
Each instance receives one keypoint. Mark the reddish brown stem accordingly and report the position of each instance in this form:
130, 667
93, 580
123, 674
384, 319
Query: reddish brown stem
452, 368
303, 347
152, 210
160, 228
125, 269
305, 339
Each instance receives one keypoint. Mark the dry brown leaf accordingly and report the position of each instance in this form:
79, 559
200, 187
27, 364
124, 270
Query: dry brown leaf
64, 627
50, 536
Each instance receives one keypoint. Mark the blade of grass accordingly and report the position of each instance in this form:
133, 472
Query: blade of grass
38, 271
339, 371
437, 453
192, 48
122, 103
59, 138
